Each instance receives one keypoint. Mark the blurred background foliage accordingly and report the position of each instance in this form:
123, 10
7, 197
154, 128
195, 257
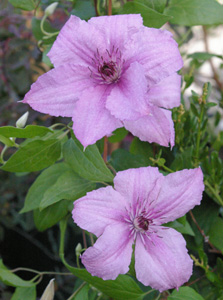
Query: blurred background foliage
33, 242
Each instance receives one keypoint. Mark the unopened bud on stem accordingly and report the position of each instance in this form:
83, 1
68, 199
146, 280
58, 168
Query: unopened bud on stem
21, 122
50, 9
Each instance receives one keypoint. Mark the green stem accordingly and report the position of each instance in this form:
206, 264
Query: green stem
2, 154
199, 135
63, 227
218, 197
77, 291
48, 34
150, 291
167, 169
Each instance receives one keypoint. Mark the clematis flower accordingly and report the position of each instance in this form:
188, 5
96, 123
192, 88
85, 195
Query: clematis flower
112, 72
132, 213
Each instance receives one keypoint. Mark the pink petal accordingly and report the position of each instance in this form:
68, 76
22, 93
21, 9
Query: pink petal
157, 51
99, 209
128, 97
76, 43
167, 92
111, 254
162, 262
136, 184
156, 127
117, 30
56, 91
92, 121
179, 192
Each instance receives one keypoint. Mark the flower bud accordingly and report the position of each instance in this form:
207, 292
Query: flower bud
78, 249
50, 9
21, 122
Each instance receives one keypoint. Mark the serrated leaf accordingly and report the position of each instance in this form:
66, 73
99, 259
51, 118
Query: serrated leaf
69, 186
151, 17
195, 12
185, 293
88, 164
9, 278
34, 156
24, 293
51, 215
29, 131
43, 182
23, 4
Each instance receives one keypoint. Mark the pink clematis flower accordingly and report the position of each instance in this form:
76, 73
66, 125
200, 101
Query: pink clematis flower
132, 213
112, 72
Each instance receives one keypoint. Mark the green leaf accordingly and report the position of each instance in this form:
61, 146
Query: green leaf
69, 186
203, 55
82, 293
6, 141
157, 5
83, 9
151, 17
11, 279
88, 164
185, 229
23, 4
185, 293
118, 135
29, 131
194, 110
142, 148
122, 288
122, 160
38, 34
24, 293
195, 12
43, 182
49, 216
34, 156
216, 233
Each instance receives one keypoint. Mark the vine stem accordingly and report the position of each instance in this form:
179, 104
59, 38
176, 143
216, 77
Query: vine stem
38, 272
105, 153
214, 192
109, 7
77, 291
199, 135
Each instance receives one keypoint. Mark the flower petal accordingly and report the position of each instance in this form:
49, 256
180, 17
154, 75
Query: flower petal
92, 121
178, 193
111, 254
76, 43
135, 185
162, 262
98, 209
166, 93
128, 97
56, 91
117, 30
157, 51
156, 127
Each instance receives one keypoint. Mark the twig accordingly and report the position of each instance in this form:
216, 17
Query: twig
96, 7
109, 7
84, 239
105, 153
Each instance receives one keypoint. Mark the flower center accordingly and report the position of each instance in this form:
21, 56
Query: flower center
107, 68
141, 223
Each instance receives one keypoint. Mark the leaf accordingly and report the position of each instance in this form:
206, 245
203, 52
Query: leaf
49, 216
203, 55
216, 233
69, 186
122, 288
88, 164
34, 156
23, 4
185, 229
6, 141
118, 135
185, 293
122, 160
83, 9
9, 278
82, 293
195, 12
151, 17
157, 5
24, 293
43, 182
29, 131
